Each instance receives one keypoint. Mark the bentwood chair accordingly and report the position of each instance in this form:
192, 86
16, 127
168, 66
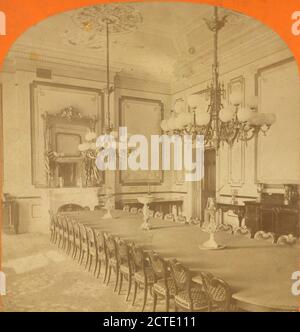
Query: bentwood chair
287, 240
164, 285
242, 231
125, 264
225, 228
143, 275
112, 260
92, 246
77, 241
265, 236
102, 255
84, 248
218, 292
189, 296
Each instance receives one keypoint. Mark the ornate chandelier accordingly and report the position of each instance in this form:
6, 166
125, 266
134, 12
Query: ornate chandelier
96, 22
218, 123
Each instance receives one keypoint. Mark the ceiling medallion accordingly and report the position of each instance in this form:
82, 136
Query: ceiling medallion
92, 27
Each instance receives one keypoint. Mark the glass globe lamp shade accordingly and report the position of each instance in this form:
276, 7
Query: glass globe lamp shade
244, 114
270, 118
226, 114
202, 118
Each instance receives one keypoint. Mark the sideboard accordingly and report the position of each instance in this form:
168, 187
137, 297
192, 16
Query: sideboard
272, 216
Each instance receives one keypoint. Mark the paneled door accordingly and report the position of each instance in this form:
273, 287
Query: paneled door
209, 180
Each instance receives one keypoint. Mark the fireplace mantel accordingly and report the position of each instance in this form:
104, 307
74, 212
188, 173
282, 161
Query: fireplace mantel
82, 196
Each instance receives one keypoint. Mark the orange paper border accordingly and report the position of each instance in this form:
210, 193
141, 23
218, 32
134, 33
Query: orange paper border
22, 14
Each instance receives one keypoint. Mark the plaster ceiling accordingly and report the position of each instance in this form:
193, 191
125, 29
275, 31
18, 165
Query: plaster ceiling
172, 42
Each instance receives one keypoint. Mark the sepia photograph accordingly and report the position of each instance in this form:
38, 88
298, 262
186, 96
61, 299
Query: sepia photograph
150, 162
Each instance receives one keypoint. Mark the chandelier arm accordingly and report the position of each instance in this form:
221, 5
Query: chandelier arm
245, 137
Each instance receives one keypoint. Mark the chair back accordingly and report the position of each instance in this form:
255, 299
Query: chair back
138, 258
158, 265
243, 231
266, 236
158, 215
181, 219
181, 276
122, 250
64, 224
70, 223
169, 217
126, 208
83, 234
110, 246
91, 238
288, 240
218, 292
134, 210
225, 228
76, 229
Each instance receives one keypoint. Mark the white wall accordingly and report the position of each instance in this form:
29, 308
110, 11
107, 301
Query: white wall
284, 143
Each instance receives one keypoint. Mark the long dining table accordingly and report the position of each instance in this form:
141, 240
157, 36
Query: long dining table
258, 272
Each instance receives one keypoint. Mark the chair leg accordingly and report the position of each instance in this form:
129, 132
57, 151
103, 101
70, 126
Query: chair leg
117, 279
120, 284
96, 265
145, 296
91, 262
59, 241
82, 256
106, 271
74, 249
167, 303
109, 274
134, 292
87, 260
99, 269
129, 286
154, 301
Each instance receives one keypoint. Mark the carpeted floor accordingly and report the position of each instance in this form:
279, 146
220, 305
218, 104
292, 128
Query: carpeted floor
42, 278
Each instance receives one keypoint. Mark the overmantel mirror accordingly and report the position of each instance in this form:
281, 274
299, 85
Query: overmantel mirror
64, 131
61, 116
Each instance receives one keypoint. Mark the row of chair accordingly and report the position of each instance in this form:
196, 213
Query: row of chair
164, 279
259, 235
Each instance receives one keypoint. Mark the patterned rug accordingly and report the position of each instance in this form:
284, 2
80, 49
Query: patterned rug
42, 278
